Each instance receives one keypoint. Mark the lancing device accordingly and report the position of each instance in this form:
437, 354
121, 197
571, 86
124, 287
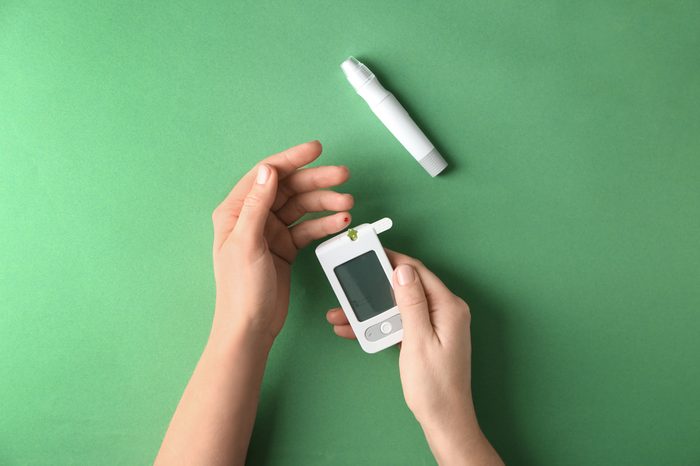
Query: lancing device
393, 115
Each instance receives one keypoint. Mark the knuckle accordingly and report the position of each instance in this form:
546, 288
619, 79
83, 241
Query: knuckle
297, 209
412, 300
326, 200
404, 258
462, 304
463, 307
416, 263
236, 205
285, 191
410, 303
251, 201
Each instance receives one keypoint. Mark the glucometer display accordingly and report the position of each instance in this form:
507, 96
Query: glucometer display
365, 284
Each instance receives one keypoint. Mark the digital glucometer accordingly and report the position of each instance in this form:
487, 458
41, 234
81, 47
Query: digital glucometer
360, 273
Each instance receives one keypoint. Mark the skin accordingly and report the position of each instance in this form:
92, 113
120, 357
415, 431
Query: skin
434, 363
257, 234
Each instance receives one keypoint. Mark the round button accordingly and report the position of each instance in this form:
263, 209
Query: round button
385, 327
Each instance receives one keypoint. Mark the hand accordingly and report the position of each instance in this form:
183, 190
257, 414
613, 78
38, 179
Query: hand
434, 363
435, 359
255, 241
256, 238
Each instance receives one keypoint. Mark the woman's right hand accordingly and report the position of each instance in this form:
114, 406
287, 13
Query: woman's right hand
435, 362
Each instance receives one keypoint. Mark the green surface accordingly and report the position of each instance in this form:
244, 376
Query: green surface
569, 219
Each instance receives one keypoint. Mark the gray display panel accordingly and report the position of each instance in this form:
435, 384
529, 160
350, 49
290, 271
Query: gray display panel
365, 284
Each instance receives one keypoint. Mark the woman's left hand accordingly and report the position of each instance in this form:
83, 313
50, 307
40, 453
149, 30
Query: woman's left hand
256, 238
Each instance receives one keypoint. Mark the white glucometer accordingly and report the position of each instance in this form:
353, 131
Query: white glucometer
360, 273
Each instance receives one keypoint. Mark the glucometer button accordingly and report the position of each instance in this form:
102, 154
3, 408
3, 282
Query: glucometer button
385, 328
372, 334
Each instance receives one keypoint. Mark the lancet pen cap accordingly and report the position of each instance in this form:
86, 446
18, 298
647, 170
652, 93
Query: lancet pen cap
433, 163
356, 72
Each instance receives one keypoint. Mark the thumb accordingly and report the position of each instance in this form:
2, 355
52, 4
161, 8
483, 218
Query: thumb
256, 206
412, 303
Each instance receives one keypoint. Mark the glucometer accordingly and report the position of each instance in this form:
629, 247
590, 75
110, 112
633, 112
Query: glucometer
360, 273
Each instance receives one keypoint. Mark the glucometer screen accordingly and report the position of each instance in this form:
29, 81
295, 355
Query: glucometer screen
366, 286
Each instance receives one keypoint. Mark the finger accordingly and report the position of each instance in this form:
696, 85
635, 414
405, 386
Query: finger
344, 331
432, 285
310, 179
336, 316
314, 201
285, 163
256, 207
305, 232
290, 160
412, 303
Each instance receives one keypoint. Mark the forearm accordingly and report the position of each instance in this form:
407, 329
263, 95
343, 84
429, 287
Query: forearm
458, 440
214, 419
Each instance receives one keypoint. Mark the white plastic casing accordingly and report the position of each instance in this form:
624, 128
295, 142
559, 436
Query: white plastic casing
393, 115
339, 250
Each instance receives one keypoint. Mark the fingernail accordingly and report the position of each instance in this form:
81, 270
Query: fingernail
263, 174
405, 274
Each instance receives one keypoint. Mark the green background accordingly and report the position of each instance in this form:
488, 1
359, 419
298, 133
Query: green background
568, 219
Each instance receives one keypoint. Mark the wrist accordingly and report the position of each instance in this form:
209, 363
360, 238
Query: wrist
457, 447
453, 424
226, 341
455, 437
447, 413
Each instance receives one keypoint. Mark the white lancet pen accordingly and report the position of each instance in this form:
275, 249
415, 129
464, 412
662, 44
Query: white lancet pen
393, 115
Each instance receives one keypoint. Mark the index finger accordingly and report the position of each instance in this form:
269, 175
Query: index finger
289, 160
285, 163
